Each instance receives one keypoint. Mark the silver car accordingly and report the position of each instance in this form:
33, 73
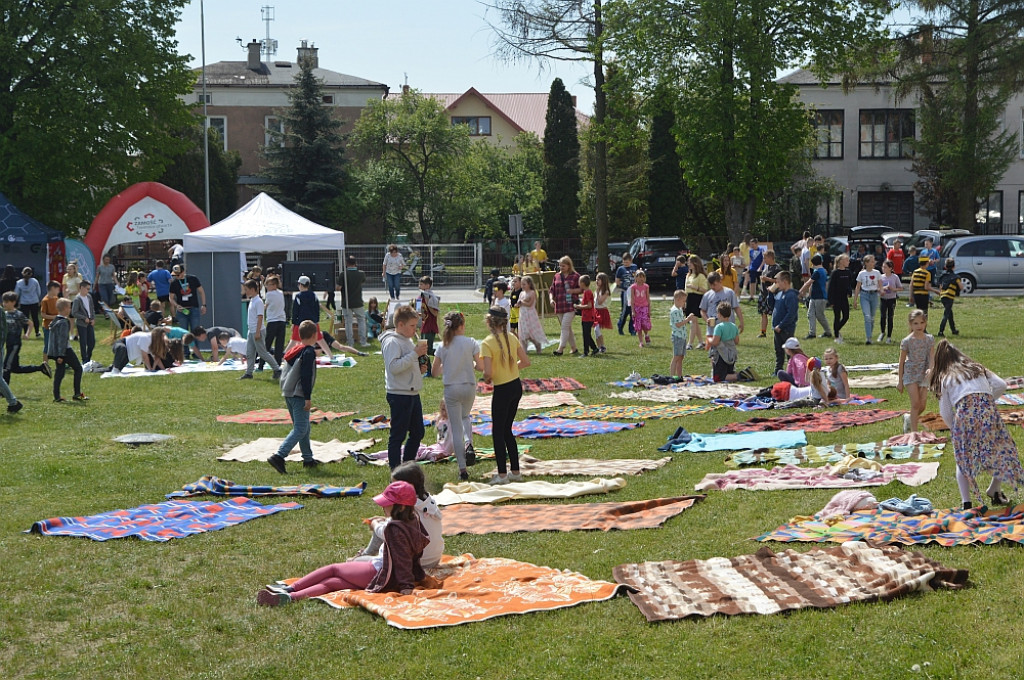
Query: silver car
987, 261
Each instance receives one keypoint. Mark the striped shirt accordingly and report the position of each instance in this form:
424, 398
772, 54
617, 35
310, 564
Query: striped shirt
919, 281
950, 287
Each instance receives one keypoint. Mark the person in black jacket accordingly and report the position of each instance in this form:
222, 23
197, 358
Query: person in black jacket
840, 285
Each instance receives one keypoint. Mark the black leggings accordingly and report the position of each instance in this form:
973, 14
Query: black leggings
888, 311
947, 316
504, 405
589, 346
70, 359
32, 311
840, 315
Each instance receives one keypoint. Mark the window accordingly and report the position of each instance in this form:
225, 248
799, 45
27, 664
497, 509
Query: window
209, 98
1020, 212
884, 133
830, 210
327, 99
272, 124
828, 127
220, 124
478, 125
990, 214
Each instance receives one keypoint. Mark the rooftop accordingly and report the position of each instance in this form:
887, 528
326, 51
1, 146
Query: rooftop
276, 73
526, 111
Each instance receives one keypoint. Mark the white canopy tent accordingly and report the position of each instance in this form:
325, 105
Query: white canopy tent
261, 225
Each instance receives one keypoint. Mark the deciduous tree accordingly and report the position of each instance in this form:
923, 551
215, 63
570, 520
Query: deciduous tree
185, 172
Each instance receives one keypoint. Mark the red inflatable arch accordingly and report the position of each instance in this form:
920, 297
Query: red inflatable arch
147, 211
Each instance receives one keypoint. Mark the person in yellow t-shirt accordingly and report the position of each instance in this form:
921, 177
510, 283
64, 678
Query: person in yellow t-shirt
539, 255
502, 357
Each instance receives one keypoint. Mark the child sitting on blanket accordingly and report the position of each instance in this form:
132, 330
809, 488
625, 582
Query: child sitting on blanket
397, 567
796, 369
818, 389
426, 510
837, 374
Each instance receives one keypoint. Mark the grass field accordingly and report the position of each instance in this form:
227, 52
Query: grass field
74, 608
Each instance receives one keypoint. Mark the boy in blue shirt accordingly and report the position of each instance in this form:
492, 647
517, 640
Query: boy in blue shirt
817, 284
784, 316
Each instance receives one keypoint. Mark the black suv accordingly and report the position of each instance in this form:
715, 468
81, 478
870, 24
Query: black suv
656, 255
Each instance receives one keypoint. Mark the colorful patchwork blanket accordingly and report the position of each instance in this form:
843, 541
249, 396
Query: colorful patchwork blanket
935, 423
530, 400
1011, 400
382, 422
648, 382
279, 416
588, 467
215, 486
540, 385
682, 392
822, 421
476, 590
769, 583
324, 452
628, 412
833, 453
826, 477
538, 427
782, 439
1015, 383
883, 527
507, 519
160, 521
475, 492
756, 403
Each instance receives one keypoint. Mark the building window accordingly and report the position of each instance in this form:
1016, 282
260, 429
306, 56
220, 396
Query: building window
828, 128
830, 210
885, 133
1020, 212
327, 99
220, 124
478, 125
272, 124
209, 97
990, 214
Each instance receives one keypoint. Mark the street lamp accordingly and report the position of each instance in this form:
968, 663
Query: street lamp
206, 118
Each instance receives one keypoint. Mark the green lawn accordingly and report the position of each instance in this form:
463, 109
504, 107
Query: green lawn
75, 608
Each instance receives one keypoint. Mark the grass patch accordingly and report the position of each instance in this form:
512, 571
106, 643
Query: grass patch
129, 609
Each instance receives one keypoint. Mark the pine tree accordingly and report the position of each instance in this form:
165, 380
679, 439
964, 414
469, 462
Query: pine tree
665, 181
561, 164
306, 169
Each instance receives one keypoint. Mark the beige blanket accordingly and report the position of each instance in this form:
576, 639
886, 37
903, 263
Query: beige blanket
530, 400
588, 467
874, 381
474, 492
324, 452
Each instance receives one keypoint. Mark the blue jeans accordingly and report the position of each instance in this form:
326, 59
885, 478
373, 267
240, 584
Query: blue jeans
5, 389
869, 302
300, 429
406, 419
626, 313
394, 284
107, 294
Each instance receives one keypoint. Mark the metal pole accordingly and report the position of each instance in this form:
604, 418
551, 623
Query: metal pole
206, 118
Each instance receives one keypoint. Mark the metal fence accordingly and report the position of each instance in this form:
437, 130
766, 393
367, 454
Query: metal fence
449, 264
997, 229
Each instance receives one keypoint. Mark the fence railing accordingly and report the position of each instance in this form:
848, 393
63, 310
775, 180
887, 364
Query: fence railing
449, 264
995, 229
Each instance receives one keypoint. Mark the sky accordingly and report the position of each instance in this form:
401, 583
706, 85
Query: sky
440, 45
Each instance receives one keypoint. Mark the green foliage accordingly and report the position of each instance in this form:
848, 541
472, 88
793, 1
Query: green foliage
185, 172
306, 162
86, 91
561, 164
410, 151
665, 178
737, 126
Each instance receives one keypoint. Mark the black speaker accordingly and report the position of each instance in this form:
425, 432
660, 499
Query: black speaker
322, 275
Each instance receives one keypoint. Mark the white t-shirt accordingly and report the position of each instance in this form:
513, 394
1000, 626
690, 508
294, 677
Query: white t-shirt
275, 306
237, 345
256, 310
504, 303
430, 518
393, 264
457, 359
138, 344
177, 251
870, 280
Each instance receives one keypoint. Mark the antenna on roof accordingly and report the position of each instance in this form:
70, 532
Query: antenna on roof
268, 46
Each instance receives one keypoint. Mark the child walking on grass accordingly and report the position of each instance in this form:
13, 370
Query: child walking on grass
397, 567
60, 351
677, 323
456, 361
967, 393
915, 359
587, 316
298, 375
530, 329
949, 291
640, 302
602, 317
503, 356
10, 357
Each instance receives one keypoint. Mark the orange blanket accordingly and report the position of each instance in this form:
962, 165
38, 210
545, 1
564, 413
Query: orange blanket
935, 423
477, 590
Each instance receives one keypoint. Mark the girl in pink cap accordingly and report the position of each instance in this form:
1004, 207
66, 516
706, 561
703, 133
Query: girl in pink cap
395, 568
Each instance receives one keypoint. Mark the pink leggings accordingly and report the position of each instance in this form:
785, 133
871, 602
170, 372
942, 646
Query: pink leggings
341, 576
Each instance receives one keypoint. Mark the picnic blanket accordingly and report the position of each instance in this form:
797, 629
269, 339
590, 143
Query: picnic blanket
382, 422
630, 412
743, 440
756, 403
883, 527
475, 492
589, 467
427, 454
540, 427
820, 421
324, 452
874, 382
533, 400
1011, 400
769, 583
337, 361
279, 416
160, 521
826, 477
833, 453
934, 422
1015, 382
872, 367
507, 519
215, 486
540, 385
668, 394
477, 590
630, 383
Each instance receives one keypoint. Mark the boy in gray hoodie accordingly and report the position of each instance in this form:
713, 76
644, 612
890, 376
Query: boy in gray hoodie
403, 380
298, 375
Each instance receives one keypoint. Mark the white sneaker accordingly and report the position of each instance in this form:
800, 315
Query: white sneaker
498, 480
906, 423
115, 371
515, 476
881, 336
839, 339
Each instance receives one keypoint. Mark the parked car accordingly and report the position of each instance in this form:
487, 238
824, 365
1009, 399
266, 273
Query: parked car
890, 237
615, 251
938, 237
987, 261
657, 255
837, 245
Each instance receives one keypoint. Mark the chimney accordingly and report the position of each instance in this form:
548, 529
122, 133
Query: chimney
253, 62
308, 51
405, 89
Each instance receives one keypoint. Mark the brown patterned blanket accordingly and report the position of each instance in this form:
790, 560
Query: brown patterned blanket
769, 583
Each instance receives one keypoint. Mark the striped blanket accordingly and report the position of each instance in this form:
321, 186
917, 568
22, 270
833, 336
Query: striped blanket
833, 453
279, 416
881, 527
540, 385
770, 583
475, 492
1011, 400
507, 519
215, 486
160, 521
826, 477
538, 427
630, 412
476, 590
672, 393
822, 421
588, 467
763, 403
